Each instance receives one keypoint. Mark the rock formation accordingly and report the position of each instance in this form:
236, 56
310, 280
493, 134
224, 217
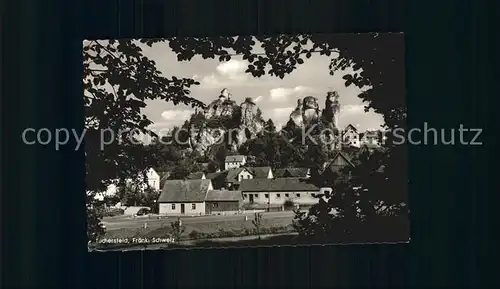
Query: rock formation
224, 114
310, 110
307, 113
297, 114
223, 106
201, 139
251, 121
225, 120
332, 109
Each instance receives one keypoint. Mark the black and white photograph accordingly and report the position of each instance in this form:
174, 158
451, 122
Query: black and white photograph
245, 141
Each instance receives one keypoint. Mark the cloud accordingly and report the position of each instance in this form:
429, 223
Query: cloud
352, 108
212, 81
172, 117
233, 69
227, 74
175, 114
281, 94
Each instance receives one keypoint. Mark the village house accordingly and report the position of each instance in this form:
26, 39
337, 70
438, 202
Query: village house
223, 202
372, 138
338, 163
273, 193
293, 173
236, 161
111, 190
197, 197
235, 176
184, 197
350, 136
261, 172
218, 179
153, 179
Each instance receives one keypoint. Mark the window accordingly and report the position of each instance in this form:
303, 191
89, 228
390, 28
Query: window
313, 194
173, 206
278, 196
215, 205
266, 195
298, 195
287, 195
193, 206
244, 196
256, 195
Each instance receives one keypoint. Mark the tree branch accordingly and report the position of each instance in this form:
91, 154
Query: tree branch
106, 49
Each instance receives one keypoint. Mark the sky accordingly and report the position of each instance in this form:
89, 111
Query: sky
274, 96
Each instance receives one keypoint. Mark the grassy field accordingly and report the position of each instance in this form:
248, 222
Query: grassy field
206, 228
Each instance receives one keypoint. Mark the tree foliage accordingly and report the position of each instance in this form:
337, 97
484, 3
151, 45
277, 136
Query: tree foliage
118, 79
279, 55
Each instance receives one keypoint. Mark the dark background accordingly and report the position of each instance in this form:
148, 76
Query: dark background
43, 239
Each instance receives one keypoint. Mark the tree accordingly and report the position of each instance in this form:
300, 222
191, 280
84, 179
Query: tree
177, 230
133, 79
184, 168
257, 223
369, 205
149, 198
129, 194
269, 126
117, 80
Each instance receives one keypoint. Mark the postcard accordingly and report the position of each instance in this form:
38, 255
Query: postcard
245, 141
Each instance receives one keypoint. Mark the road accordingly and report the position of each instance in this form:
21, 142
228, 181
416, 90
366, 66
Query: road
121, 222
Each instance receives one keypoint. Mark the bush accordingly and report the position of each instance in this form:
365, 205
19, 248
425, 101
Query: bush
194, 235
177, 229
112, 212
245, 231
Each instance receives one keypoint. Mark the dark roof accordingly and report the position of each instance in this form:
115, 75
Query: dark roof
347, 128
235, 158
276, 185
259, 172
184, 191
278, 173
212, 176
195, 176
223, 195
334, 167
291, 173
232, 174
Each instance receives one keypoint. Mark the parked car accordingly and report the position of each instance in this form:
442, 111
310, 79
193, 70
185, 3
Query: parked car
143, 211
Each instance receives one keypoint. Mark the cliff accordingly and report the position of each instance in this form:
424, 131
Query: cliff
307, 114
223, 114
245, 122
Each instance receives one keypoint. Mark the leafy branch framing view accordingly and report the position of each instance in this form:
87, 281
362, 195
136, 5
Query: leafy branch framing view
119, 79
